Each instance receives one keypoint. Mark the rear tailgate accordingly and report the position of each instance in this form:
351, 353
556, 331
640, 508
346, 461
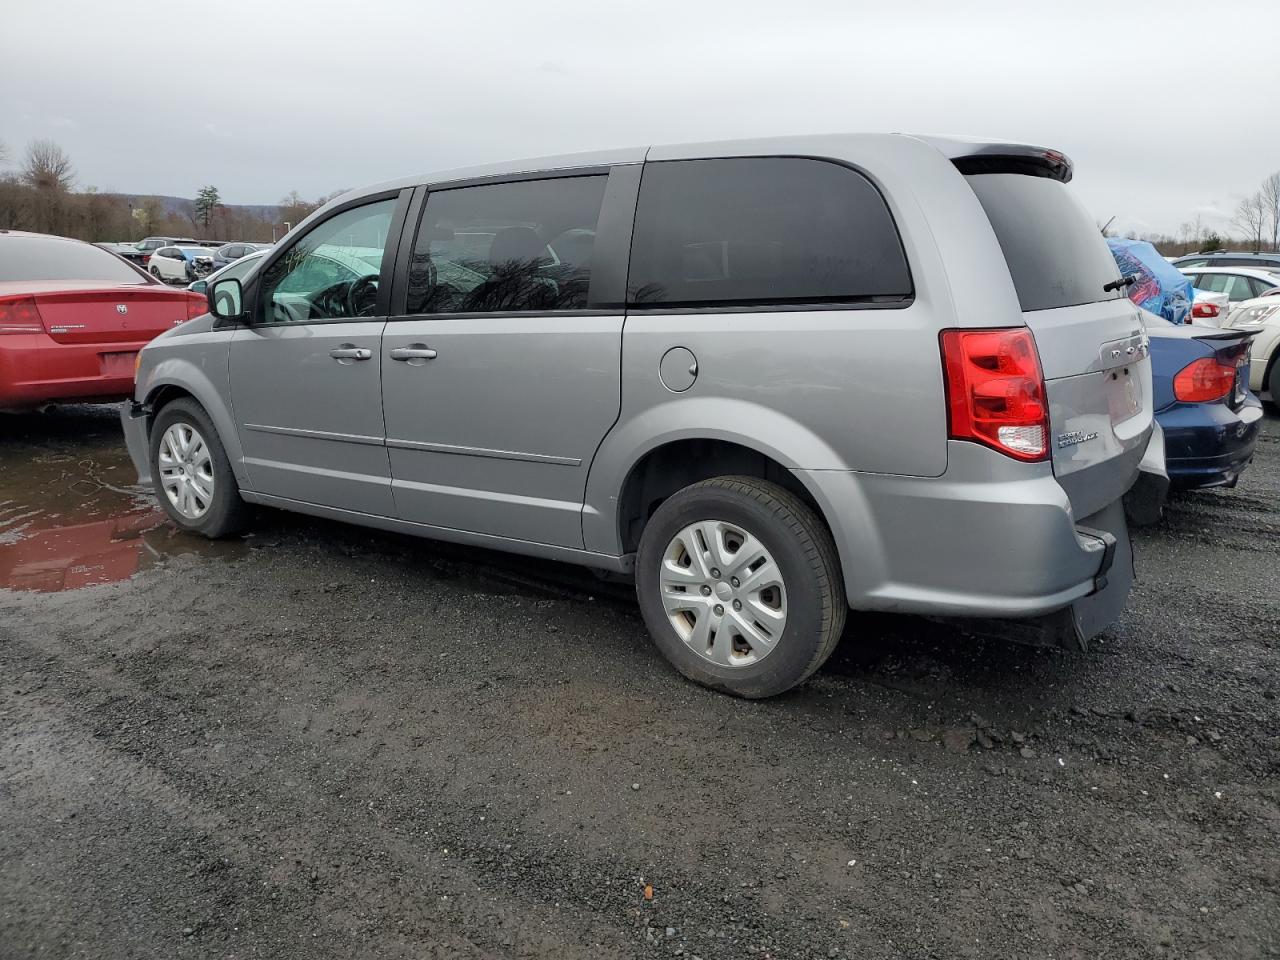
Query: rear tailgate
1092, 345
110, 314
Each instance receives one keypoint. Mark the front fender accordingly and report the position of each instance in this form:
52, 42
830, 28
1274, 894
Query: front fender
201, 372
750, 425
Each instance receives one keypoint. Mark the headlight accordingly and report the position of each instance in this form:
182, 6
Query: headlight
1252, 316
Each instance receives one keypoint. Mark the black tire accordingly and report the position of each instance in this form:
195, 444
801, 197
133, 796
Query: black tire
155, 273
226, 513
805, 554
1273, 382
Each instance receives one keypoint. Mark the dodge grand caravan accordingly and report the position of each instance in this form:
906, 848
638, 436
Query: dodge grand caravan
774, 380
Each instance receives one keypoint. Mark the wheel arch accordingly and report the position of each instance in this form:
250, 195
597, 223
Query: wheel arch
619, 500
174, 378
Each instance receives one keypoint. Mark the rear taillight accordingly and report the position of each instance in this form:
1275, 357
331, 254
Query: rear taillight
197, 305
1204, 381
995, 391
19, 315
1204, 311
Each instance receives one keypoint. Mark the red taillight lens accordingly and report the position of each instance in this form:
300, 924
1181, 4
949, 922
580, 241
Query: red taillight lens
20, 315
995, 391
197, 305
1204, 311
1203, 381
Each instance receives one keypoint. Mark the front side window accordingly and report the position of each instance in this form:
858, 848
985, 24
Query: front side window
506, 247
763, 230
332, 273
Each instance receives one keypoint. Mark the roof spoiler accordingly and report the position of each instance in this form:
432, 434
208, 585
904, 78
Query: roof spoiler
990, 156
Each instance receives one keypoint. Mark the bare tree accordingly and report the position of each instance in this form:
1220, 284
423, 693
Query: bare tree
1251, 218
1270, 193
4, 153
47, 167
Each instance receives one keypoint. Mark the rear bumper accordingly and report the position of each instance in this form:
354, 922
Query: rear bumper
1209, 444
136, 422
36, 369
991, 538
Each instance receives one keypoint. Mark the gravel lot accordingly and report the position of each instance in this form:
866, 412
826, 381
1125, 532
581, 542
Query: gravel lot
325, 742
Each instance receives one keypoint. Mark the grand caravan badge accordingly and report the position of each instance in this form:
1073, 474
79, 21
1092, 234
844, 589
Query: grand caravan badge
1075, 437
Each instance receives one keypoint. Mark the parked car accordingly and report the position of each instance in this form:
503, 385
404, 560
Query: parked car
1261, 317
1209, 308
141, 251
230, 252
1238, 283
181, 264
1209, 418
72, 319
880, 372
1230, 258
237, 270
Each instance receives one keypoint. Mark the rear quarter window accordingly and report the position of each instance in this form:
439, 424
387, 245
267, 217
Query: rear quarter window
1056, 254
763, 231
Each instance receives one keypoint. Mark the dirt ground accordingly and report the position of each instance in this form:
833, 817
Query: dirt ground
324, 742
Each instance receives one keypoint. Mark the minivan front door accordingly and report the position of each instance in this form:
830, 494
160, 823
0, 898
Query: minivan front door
503, 375
305, 375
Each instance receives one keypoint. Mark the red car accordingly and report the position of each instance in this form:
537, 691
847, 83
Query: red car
73, 318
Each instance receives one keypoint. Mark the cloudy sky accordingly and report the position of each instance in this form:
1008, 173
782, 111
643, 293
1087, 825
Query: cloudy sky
260, 98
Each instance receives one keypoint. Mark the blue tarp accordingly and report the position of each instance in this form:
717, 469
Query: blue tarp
1160, 287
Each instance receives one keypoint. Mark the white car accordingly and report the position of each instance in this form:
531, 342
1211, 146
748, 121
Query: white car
237, 269
1261, 316
1238, 283
181, 264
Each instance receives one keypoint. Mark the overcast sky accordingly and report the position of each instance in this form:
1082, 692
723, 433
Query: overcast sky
1167, 115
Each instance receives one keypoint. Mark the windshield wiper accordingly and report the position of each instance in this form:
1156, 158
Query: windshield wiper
1125, 281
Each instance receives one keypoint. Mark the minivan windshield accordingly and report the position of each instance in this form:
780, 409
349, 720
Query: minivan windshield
1055, 252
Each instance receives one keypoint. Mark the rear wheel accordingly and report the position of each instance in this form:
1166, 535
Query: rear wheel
740, 586
191, 473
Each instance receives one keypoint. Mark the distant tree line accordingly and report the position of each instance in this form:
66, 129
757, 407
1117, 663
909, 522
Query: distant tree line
39, 193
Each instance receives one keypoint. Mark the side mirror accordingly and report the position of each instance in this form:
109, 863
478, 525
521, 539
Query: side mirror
200, 286
226, 299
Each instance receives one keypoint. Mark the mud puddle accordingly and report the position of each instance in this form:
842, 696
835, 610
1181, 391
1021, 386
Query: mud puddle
71, 512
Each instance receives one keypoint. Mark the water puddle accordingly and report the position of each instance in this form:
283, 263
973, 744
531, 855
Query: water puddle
71, 513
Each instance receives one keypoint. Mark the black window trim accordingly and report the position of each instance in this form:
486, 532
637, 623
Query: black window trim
789, 304
386, 279
609, 257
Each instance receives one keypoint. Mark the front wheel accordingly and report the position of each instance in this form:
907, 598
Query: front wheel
1273, 382
740, 586
191, 472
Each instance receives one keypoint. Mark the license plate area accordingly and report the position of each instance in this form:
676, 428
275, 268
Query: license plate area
117, 364
1124, 394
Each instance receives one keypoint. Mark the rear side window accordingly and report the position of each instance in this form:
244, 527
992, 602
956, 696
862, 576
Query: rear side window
761, 231
506, 247
49, 258
1055, 252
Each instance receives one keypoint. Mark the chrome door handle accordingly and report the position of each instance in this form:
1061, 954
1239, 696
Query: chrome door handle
351, 353
415, 352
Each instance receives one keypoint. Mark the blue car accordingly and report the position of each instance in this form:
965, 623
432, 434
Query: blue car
1210, 420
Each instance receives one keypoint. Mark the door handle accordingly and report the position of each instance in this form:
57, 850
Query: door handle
418, 351
351, 353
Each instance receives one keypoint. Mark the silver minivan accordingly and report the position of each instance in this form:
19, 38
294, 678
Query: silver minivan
773, 380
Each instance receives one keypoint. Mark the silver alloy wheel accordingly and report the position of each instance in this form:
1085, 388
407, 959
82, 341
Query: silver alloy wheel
186, 470
723, 593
